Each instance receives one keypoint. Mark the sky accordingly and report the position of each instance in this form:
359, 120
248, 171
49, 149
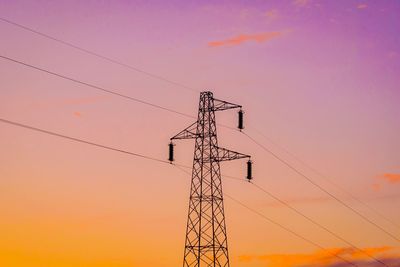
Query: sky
319, 84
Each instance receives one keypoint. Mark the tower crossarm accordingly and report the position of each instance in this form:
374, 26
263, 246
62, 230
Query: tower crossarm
220, 105
226, 154
187, 133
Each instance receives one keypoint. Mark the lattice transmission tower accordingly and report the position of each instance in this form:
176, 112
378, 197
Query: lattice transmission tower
206, 237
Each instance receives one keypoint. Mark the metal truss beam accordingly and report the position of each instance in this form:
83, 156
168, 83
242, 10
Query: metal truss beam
206, 241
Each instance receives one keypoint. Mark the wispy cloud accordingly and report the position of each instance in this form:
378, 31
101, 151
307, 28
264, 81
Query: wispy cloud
387, 178
362, 6
392, 178
389, 261
327, 258
77, 114
272, 14
376, 187
239, 39
301, 3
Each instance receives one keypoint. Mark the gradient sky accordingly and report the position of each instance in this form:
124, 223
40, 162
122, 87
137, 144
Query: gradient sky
319, 79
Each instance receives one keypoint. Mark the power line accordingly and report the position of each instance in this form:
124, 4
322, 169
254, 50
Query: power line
87, 51
280, 225
104, 89
341, 188
156, 76
95, 86
287, 229
82, 141
316, 223
321, 188
312, 220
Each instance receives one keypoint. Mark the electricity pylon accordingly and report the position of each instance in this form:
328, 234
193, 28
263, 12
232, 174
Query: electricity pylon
206, 238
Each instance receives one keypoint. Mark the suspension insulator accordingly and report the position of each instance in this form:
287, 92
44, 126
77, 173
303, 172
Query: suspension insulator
171, 152
249, 170
240, 125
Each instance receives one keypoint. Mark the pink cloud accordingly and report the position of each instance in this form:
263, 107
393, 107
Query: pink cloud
77, 114
328, 257
362, 6
272, 14
261, 37
376, 187
301, 2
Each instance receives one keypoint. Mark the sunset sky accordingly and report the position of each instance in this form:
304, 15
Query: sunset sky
319, 82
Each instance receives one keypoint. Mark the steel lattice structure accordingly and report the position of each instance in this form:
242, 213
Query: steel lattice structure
206, 238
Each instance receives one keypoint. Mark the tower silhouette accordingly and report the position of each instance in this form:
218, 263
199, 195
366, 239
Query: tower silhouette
206, 237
